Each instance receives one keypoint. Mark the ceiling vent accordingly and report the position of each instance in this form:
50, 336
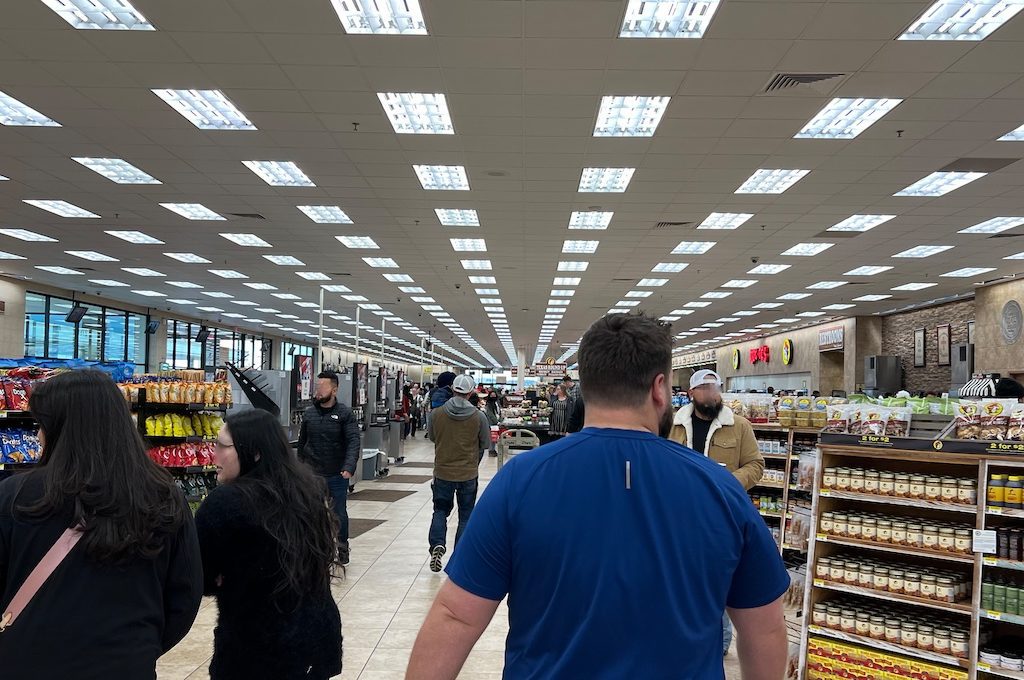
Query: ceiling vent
248, 216
978, 164
670, 225
839, 234
1005, 235
819, 83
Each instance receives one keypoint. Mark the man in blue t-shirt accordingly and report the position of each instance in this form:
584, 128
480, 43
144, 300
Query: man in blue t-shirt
618, 550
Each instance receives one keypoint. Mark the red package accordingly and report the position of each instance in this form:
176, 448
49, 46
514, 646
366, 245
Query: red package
17, 395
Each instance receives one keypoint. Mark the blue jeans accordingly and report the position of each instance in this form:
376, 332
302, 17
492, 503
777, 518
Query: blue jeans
337, 486
445, 495
726, 634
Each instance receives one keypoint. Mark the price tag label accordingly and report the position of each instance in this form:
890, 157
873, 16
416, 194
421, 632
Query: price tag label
818, 582
825, 492
984, 541
991, 561
982, 666
3, 414
995, 616
822, 537
994, 511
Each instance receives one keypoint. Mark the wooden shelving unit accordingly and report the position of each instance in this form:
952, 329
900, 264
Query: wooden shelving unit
791, 437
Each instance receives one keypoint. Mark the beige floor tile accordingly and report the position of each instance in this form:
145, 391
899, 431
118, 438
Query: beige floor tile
398, 638
388, 660
175, 671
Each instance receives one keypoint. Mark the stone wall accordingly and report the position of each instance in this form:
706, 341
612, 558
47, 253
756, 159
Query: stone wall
898, 340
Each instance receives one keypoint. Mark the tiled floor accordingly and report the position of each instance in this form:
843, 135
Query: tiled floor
385, 597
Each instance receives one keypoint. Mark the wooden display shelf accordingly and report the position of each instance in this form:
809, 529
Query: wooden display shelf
770, 485
191, 439
774, 515
1000, 616
890, 647
1001, 672
775, 456
800, 489
895, 549
990, 561
1004, 512
896, 500
959, 607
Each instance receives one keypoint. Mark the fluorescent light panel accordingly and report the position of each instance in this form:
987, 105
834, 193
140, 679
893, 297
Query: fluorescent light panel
721, 220
26, 235
15, 113
940, 183
313, 276
136, 237
381, 17
923, 251
739, 283
826, 285
629, 116
693, 247
587, 247
871, 298
968, 272
442, 177
193, 211
381, 262
325, 214
667, 18
285, 260
769, 268
206, 109
995, 225
669, 267
605, 180
279, 173
962, 19
861, 223
247, 240
143, 271
117, 170
59, 270
417, 113
358, 242
61, 208
807, 249
591, 219
227, 273
465, 245
91, 255
867, 271
457, 217
845, 118
476, 265
768, 181
915, 286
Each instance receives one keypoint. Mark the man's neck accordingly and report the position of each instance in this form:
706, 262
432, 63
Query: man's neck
701, 416
615, 419
326, 405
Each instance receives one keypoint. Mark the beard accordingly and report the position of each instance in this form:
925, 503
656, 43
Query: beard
322, 400
708, 411
665, 425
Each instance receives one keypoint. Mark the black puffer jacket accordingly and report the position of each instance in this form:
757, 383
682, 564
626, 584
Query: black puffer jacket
329, 440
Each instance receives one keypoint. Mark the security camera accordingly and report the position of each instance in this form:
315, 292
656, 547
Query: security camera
398, 299
755, 259
458, 286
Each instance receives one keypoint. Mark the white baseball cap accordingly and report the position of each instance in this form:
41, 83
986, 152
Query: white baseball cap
464, 384
705, 377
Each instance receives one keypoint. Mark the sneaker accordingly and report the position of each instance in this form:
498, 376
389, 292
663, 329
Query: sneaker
343, 554
436, 553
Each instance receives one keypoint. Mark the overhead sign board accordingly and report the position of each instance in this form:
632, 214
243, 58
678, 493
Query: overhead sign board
831, 339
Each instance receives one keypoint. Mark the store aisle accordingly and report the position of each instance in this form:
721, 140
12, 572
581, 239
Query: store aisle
386, 595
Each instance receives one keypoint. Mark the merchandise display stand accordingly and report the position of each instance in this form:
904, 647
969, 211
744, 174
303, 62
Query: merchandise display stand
16, 420
894, 581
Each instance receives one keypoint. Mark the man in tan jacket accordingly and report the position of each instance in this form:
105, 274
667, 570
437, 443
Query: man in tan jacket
707, 427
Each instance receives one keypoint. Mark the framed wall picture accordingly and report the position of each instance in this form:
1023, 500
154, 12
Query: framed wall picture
919, 348
942, 344
970, 332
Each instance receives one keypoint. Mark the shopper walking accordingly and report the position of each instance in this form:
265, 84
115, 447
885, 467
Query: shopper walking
614, 537
268, 543
404, 410
416, 410
329, 442
493, 412
460, 434
129, 590
561, 410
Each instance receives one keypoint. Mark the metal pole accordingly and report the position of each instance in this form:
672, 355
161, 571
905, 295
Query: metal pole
320, 347
383, 322
422, 366
357, 333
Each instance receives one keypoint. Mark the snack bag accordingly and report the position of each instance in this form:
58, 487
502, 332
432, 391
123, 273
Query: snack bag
150, 426
875, 420
186, 425
898, 424
228, 396
16, 394
839, 419
1015, 430
994, 418
967, 423
857, 419
197, 425
757, 409
168, 424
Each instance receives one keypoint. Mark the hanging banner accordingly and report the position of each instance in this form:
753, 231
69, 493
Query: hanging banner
831, 339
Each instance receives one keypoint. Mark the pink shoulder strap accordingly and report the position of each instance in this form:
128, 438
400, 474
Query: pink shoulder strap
51, 560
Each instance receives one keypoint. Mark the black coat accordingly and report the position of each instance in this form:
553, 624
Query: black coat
329, 440
91, 621
260, 636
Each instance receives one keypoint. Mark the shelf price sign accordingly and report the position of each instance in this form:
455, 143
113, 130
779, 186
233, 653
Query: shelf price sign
984, 541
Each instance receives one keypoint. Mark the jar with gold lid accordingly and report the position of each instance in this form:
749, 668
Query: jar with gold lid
884, 531
886, 483
929, 584
908, 634
843, 479
941, 640
959, 645
892, 630
827, 523
917, 486
857, 480
821, 570
950, 490
912, 583
828, 479
915, 536
866, 578
947, 539
967, 491
851, 573
897, 578
818, 614
869, 529
840, 524
877, 631
930, 537
933, 488
963, 541
833, 617
902, 488
837, 570
848, 621
925, 637
871, 480
899, 533
881, 578
854, 527
945, 589
863, 623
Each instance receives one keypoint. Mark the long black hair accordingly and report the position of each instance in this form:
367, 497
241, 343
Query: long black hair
289, 499
94, 465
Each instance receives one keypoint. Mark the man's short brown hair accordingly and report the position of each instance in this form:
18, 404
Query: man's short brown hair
621, 355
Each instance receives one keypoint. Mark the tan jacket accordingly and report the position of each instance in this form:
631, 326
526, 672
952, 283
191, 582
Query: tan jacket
731, 440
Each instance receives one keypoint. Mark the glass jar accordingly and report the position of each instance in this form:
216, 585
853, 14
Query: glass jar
915, 535
959, 645
857, 481
843, 479
908, 634
840, 524
997, 490
822, 570
947, 539
828, 479
963, 541
867, 576
917, 486
863, 624
896, 581
851, 574
912, 583
941, 640
930, 536
929, 584
869, 529
871, 480
967, 491
950, 490
877, 628
945, 589
881, 578
848, 621
827, 523
892, 631
854, 527
819, 614
833, 617
884, 531
836, 571
933, 488
899, 533
925, 637
902, 488
886, 483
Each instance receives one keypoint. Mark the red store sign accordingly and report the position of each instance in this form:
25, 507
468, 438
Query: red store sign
759, 354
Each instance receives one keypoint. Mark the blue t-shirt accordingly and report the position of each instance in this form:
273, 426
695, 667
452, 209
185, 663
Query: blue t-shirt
605, 581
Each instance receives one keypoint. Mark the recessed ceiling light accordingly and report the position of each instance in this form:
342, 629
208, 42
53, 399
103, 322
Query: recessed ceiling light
217, 295
285, 260
398, 278
26, 235
136, 237
682, 312
381, 262
826, 285
629, 116
767, 181
923, 251
838, 307
914, 286
565, 266
867, 271
565, 281
605, 180
482, 280
871, 298
312, 305
62, 208
206, 109
260, 286
313, 276
210, 309
786, 320
59, 270
845, 118
627, 303
442, 177
667, 18
143, 271
417, 113
247, 240
476, 264
747, 312
193, 211
693, 247
183, 284
117, 170
810, 315
358, 242
968, 271
995, 225
279, 173
580, 246
567, 292
720, 220
591, 219
325, 214
639, 294
669, 319
961, 19
739, 283
1018, 256
381, 17
10, 256
91, 255
148, 293
464, 245
109, 283
940, 183
794, 296
807, 249
108, 15
234, 315
268, 310
4, 179
861, 223
412, 289
769, 268
716, 295
457, 217
14, 112
559, 302
767, 325
669, 267
419, 299
227, 273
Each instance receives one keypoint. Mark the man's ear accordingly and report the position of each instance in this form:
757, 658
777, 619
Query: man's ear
660, 391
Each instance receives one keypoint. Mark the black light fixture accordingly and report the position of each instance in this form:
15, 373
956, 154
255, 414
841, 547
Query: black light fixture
203, 334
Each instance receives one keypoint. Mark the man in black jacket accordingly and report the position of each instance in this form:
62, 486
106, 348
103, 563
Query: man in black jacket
329, 442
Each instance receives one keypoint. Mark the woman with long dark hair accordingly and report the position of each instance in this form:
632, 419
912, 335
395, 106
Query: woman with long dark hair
130, 588
268, 542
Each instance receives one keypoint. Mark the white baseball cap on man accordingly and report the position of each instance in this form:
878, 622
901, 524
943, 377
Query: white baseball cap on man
705, 377
463, 384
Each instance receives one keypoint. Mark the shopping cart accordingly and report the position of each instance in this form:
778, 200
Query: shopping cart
514, 441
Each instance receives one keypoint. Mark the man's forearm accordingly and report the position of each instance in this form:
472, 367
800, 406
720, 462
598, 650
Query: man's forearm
763, 653
441, 647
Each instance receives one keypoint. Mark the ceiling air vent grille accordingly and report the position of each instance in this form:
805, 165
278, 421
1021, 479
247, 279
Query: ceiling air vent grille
670, 225
248, 216
817, 81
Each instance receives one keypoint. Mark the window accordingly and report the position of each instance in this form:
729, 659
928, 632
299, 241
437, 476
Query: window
103, 334
290, 349
222, 346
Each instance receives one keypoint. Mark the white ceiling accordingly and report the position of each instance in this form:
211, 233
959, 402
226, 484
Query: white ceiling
524, 80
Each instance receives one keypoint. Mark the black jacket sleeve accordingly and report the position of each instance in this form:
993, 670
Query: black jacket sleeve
576, 416
350, 431
303, 439
183, 590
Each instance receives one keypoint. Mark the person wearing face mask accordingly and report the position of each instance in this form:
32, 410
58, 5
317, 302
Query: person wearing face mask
268, 544
614, 535
329, 442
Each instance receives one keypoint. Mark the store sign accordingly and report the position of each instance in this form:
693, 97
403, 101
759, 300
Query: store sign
736, 360
831, 339
708, 356
760, 355
787, 352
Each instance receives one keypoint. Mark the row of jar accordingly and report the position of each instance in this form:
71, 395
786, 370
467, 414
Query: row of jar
901, 485
923, 534
894, 625
893, 577
1002, 594
767, 502
1006, 653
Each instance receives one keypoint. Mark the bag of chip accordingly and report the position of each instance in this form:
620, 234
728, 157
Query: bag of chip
16, 395
1015, 429
839, 418
875, 420
898, 424
967, 423
994, 418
